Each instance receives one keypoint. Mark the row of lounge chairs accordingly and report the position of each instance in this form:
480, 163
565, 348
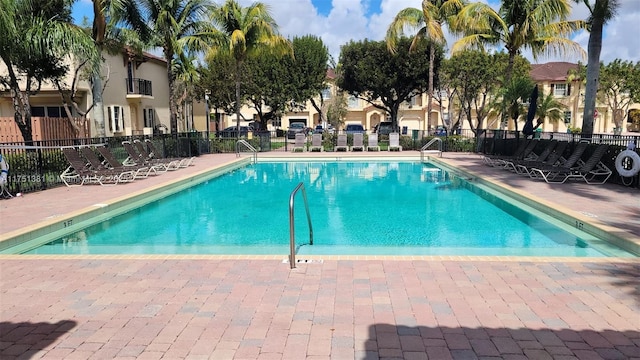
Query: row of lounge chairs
552, 166
86, 167
342, 145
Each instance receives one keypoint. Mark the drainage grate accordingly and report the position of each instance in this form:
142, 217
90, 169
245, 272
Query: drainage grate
305, 261
588, 214
310, 261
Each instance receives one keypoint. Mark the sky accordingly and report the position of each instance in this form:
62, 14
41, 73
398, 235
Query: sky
337, 22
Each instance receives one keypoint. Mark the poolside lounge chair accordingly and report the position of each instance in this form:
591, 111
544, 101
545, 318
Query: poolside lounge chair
358, 142
588, 171
342, 143
94, 162
554, 158
172, 164
136, 158
525, 154
139, 171
299, 142
548, 149
394, 142
316, 143
492, 160
372, 143
546, 171
157, 154
79, 173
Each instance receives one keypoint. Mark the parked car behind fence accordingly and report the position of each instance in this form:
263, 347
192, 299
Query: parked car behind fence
297, 127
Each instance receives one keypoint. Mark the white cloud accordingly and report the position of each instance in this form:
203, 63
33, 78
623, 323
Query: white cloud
348, 20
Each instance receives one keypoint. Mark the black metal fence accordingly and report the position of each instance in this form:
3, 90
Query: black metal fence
38, 166
505, 143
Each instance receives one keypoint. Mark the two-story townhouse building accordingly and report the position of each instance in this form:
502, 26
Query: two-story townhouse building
411, 115
553, 78
135, 98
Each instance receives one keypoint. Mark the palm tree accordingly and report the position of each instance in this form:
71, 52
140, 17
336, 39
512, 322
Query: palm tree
106, 14
177, 26
36, 38
429, 21
601, 11
514, 95
243, 32
550, 108
187, 76
539, 26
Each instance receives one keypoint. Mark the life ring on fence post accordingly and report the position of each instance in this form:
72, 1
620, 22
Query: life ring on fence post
635, 167
4, 171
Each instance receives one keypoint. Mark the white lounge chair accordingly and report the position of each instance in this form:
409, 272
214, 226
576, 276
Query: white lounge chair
300, 142
394, 142
316, 143
358, 144
342, 143
372, 143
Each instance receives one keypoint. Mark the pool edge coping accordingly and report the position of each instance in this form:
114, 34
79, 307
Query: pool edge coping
618, 237
112, 207
175, 185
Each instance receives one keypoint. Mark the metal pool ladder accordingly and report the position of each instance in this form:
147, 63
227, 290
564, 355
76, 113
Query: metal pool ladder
249, 147
424, 150
292, 237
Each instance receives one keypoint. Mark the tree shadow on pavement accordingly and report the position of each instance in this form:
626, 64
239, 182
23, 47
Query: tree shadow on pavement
24, 340
388, 341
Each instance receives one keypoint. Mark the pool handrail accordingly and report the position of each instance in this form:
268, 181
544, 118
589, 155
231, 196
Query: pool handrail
426, 146
292, 237
249, 147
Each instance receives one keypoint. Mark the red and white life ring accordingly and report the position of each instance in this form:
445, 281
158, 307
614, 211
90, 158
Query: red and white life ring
4, 171
635, 163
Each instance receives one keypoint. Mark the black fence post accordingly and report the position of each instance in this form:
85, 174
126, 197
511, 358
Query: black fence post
43, 183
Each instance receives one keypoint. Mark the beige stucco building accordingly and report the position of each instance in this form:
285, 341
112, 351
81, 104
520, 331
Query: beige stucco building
136, 102
553, 78
550, 77
411, 115
135, 98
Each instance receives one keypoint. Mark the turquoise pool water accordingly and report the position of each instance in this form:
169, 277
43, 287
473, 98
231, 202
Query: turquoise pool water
375, 207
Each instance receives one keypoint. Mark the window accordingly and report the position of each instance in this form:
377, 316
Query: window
326, 93
413, 101
48, 111
567, 117
561, 89
130, 77
353, 102
148, 117
116, 118
38, 111
53, 111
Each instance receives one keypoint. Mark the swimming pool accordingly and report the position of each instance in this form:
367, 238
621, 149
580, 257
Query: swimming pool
363, 208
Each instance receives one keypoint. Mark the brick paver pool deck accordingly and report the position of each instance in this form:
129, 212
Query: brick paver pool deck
255, 307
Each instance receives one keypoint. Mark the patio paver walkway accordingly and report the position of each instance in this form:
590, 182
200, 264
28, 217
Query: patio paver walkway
212, 307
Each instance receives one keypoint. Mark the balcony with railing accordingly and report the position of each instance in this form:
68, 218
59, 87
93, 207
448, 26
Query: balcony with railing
138, 87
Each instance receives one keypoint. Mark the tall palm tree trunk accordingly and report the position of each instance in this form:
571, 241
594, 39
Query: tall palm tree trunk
593, 73
173, 106
432, 60
98, 34
504, 116
238, 67
98, 105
